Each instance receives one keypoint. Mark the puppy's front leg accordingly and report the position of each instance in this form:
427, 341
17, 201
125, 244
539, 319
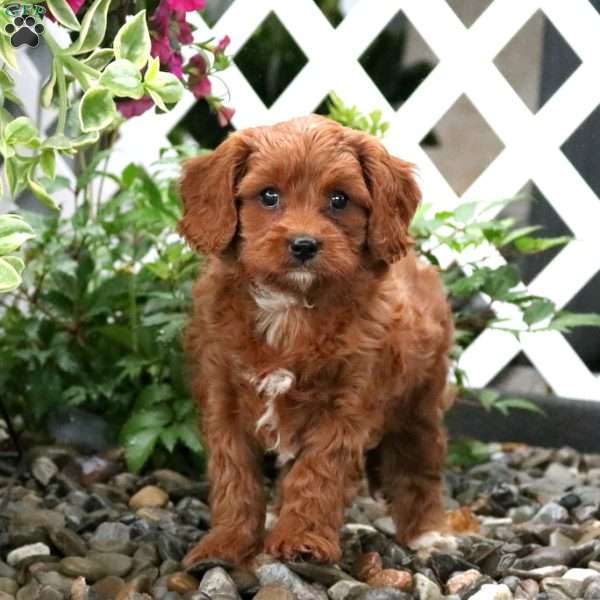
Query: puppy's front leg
315, 491
236, 497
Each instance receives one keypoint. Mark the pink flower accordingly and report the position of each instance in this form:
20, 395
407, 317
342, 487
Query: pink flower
161, 47
175, 65
224, 115
184, 35
169, 29
198, 81
222, 44
134, 108
197, 66
201, 88
160, 18
186, 5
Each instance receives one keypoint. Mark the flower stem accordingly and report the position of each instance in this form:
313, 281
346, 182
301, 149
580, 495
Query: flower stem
61, 81
62, 98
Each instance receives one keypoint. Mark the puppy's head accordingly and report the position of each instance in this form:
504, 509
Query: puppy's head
303, 201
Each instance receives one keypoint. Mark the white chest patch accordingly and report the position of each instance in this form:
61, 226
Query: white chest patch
272, 386
279, 316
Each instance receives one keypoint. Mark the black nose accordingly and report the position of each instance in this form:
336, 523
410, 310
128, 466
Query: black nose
304, 247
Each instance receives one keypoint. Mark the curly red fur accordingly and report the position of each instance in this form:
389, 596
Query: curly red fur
328, 363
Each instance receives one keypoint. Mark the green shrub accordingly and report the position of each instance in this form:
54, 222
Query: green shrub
97, 321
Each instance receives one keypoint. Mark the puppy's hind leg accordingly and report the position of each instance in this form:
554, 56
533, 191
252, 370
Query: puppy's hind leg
411, 461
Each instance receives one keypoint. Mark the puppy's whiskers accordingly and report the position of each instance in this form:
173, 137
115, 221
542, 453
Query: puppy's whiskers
303, 279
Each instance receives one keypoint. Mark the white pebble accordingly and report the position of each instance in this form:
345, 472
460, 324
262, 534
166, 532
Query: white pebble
20, 554
342, 589
358, 528
385, 525
580, 574
491, 591
549, 571
425, 588
434, 540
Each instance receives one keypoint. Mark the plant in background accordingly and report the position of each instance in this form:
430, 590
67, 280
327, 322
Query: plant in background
97, 322
350, 116
111, 278
475, 286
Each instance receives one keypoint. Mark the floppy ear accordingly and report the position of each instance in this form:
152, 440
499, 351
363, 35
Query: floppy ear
208, 188
395, 196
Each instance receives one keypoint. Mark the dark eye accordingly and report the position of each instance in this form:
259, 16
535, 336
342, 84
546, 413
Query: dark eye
269, 198
338, 200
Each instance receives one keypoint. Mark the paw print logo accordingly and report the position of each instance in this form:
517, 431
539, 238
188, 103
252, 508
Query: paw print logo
24, 31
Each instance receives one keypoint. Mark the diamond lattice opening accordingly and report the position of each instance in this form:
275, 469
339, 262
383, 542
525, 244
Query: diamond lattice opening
537, 61
467, 145
581, 149
215, 10
586, 340
332, 11
270, 59
398, 60
519, 376
323, 107
542, 213
201, 125
469, 12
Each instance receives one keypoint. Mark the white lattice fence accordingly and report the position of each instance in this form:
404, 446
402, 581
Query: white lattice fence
532, 141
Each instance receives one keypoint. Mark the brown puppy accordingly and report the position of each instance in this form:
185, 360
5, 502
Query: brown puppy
315, 334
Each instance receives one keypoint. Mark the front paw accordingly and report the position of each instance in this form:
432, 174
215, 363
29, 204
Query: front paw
290, 541
224, 544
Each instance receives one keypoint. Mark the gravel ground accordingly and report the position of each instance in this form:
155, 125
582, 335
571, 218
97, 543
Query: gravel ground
526, 525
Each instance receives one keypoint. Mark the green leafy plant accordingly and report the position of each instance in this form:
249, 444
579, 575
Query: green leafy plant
103, 74
471, 235
97, 321
467, 452
350, 116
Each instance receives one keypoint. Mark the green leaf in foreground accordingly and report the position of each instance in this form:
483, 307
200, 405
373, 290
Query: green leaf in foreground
139, 448
132, 41
164, 88
123, 78
189, 435
154, 418
64, 14
20, 131
531, 245
467, 452
537, 310
506, 404
97, 109
565, 321
10, 273
42, 194
93, 28
99, 58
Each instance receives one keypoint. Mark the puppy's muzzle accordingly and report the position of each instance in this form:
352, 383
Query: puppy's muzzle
303, 247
